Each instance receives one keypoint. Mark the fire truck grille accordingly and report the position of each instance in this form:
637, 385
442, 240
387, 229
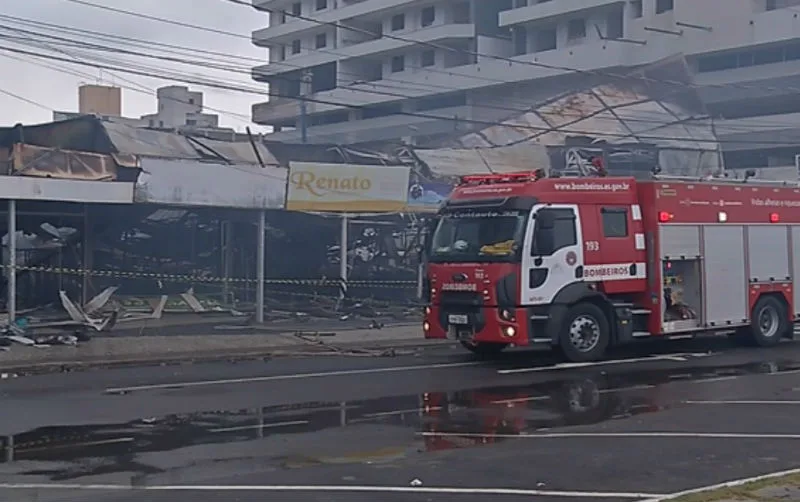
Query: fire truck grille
462, 303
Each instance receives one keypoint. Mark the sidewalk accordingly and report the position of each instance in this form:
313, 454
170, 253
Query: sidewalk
782, 486
144, 350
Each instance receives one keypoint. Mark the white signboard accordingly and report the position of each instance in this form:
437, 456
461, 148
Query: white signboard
193, 183
347, 188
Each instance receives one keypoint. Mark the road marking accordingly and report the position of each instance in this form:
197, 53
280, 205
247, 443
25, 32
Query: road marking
521, 400
297, 376
716, 379
744, 402
334, 488
727, 484
402, 412
78, 445
601, 391
567, 366
563, 435
261, 426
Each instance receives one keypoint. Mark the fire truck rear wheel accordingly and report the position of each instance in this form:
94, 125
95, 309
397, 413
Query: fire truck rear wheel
769, 322
484, 348
585, 334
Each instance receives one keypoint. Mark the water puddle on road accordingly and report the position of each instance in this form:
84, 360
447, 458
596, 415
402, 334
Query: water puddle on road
368, 431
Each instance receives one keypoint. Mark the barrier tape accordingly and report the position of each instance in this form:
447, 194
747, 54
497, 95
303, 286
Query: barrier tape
122, 274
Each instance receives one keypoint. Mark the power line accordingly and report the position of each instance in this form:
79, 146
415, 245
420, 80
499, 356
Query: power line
628, 119
280, 63
139, 87
24, 99
626, 77
229, 87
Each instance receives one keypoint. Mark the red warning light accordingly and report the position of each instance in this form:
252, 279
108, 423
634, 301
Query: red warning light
774, 218
664, 216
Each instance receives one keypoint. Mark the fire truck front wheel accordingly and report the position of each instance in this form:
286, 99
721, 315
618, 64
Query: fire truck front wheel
769, 322
585, 334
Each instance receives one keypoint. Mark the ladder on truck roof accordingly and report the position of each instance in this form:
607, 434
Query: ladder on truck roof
726, 180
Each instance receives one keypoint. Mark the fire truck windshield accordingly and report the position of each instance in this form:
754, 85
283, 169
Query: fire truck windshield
478, 236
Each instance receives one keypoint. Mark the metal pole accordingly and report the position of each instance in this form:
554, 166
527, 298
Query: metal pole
9, 453
305, 90
260, 266
87, 254
12, 261
303, 126
343, 259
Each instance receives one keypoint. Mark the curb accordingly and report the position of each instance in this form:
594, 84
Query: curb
300, 349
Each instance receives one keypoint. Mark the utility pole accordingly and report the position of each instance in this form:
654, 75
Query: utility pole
305, 90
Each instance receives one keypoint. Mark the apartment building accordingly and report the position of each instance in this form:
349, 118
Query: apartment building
178, 108
367, 63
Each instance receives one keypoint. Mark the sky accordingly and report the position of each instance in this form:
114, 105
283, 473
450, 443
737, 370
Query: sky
55, 89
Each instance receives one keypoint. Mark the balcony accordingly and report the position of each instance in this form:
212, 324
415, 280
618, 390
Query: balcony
438, 33
292, 26
390, 127
543, 11
590, 56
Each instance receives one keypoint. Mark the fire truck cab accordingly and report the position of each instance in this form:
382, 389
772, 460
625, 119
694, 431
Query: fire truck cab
582, 264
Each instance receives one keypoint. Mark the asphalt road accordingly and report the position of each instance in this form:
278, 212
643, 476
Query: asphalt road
438, 426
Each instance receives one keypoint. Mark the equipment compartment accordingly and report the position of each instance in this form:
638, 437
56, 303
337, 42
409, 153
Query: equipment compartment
682, 294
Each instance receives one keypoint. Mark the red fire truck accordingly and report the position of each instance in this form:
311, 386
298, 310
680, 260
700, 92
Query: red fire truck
586, 263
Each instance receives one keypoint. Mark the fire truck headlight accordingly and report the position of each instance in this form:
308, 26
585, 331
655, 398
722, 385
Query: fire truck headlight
426, 326
506, 315
427, 311
722, 216
509, 331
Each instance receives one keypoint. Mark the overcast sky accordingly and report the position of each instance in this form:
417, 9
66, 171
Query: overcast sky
57, 90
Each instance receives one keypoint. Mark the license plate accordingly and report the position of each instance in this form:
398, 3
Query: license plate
457, 319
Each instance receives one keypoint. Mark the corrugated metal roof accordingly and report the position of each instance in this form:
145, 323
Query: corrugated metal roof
622, 112
449, 162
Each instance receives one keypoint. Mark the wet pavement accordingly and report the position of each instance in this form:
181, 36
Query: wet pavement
648, 422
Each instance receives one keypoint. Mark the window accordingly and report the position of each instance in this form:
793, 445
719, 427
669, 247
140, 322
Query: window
637, 10
546, 39
281, 53
563, 233
191, 101
321, 41
322, 4
398, 64
428, 16
191, 122
520, 3
520, 36
428, 58
576, 29
664, 6
398, 22
297, 8
615, 222
295, 46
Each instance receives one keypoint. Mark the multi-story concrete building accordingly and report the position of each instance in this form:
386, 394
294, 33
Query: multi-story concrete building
100, 100
370, 61
178, 109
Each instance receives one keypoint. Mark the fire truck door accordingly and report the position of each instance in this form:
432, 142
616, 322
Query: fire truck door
552, 253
